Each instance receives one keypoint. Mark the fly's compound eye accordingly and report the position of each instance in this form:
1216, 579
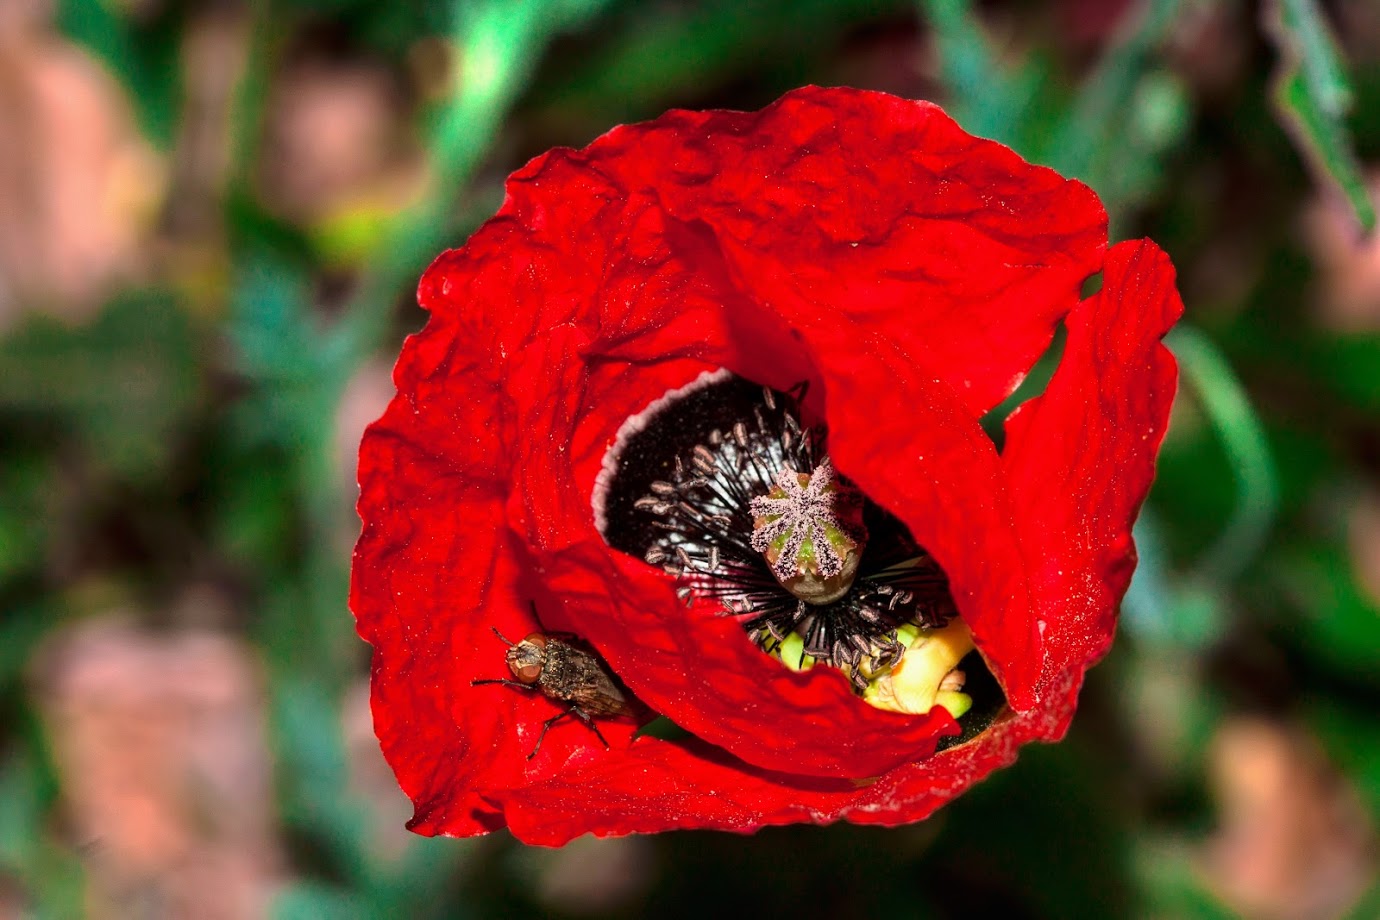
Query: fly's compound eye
527, 658
527, 673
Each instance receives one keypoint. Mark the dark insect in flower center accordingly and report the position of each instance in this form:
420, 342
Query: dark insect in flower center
726, 487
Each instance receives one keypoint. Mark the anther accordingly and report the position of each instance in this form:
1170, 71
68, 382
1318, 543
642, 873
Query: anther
755, 521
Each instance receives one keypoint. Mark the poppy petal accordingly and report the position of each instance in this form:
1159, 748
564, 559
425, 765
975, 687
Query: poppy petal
1081, 457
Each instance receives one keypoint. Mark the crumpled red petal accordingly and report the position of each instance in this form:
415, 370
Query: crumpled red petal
911, 274
883, 210
1081, 457
658, 786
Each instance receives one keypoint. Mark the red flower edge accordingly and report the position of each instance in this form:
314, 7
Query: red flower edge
861, 242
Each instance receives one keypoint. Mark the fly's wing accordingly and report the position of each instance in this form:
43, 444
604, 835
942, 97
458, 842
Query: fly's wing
583, 679
598, 695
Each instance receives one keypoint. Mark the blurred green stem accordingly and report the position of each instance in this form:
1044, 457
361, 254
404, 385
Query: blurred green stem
1089, 132
497, 45
1243, 439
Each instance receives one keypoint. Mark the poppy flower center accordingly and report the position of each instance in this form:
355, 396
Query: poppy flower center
727, 488
810, 528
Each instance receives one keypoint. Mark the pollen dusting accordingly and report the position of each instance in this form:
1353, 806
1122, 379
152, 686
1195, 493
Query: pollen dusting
810, 528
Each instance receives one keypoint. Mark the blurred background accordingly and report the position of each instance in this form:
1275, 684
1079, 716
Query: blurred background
212, 218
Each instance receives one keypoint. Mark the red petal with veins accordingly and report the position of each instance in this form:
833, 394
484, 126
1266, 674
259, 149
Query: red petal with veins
861, 242
1080, 458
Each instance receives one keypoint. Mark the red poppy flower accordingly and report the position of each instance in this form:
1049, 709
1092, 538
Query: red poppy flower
711, 342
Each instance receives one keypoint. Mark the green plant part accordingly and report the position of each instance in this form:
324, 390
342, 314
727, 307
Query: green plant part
791, 651
927, 674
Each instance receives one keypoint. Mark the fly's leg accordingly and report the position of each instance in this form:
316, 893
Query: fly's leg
588, 720
506, 683
546, 727
578, 713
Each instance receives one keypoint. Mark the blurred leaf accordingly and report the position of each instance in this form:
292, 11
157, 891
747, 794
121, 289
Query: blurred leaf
1313, 96
1091, 129
1352, 738
1340, 624
26, 503
1348, 364
416, 885
661, 53
1131, 165
144, 57
312, 901
1369, 906
20, 814
282, 351
663, 728
1170, 876
124, 382
51, 875
1072, 856
21, 630
314, 778
1161, 609
255, 518
1125, 117
987, 96
1144, 609
1329, 372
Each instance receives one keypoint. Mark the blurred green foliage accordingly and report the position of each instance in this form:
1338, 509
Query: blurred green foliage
189, 433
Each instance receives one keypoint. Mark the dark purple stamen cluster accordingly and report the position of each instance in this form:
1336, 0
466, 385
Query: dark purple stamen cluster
681, 496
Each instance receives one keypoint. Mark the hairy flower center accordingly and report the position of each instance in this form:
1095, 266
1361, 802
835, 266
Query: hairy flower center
724, 487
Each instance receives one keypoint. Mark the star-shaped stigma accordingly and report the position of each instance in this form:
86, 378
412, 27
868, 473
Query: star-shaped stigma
808, 523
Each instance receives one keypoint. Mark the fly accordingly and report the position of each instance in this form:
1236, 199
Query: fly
555, 666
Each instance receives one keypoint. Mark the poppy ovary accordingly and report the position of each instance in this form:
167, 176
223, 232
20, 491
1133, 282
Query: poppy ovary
810, 529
